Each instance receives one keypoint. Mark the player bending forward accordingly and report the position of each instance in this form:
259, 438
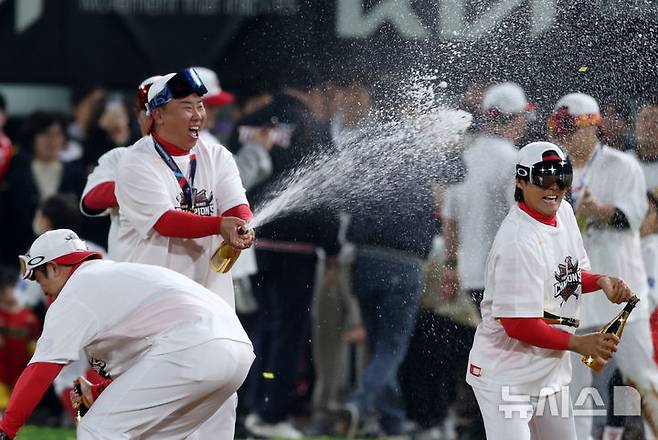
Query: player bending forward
174, 351
518, 367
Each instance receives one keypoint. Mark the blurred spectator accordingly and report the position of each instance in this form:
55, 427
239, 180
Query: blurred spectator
609, 198
286, 254
392, 232
19, 330
86, 103
337, 325
254, 97
213, 101
615, 126
6, 147
35, 174
432, 375
253, 159
110, 129
646, 136
59, 211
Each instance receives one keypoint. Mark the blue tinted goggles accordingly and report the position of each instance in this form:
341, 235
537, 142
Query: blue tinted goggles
184, 83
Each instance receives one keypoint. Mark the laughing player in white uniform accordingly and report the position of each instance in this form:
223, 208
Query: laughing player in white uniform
179, 197
537, 265
175, 351
98, 197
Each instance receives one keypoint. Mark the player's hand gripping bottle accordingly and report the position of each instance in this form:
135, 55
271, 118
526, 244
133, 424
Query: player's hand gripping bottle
616, 327
225, 256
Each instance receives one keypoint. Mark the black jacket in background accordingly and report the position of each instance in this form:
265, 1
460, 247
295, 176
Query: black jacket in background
318, 226
400, 217
20, 199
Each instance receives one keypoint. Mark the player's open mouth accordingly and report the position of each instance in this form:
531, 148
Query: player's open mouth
194, 131
551, 199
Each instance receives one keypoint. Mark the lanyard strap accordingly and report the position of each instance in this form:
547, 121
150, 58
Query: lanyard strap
186, 185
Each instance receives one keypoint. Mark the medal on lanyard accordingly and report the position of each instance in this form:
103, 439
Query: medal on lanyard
186, 184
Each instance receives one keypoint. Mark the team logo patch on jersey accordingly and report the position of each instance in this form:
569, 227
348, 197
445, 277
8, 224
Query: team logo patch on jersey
203, 203
475, 370
567, 280
99, 365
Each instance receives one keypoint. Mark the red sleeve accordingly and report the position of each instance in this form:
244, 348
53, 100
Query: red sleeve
30, 388
535, 331
98, 388
100, 198
183, 224
589, 281
241, 211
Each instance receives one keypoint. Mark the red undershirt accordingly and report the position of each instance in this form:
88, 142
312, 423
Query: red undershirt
535, 331
172, 223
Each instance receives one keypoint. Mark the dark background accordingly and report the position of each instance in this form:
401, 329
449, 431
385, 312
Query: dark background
119, 42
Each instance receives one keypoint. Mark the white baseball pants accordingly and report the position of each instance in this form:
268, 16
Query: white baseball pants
170, 396
550, 419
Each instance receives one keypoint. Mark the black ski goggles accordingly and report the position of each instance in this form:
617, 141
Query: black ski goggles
184, 83
547, 173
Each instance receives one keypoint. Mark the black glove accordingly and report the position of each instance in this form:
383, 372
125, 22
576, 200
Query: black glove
4, 436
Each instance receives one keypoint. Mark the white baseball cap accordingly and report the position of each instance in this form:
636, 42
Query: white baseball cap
63, 246
572, 112
506, 98
578, 104
216, 95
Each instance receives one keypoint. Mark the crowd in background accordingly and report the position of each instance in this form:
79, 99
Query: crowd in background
360, 326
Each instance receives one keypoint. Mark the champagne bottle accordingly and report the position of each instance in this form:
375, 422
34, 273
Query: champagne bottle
615, 327
224, 258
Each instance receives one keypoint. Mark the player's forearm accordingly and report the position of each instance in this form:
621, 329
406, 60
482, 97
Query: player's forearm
30, 388
536, 332
590, 281
182, 224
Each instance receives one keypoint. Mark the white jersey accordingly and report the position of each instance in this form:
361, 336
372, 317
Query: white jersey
532, 268
480, 203
146, 188
615, 179
106, 171
118, 312
650, 256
